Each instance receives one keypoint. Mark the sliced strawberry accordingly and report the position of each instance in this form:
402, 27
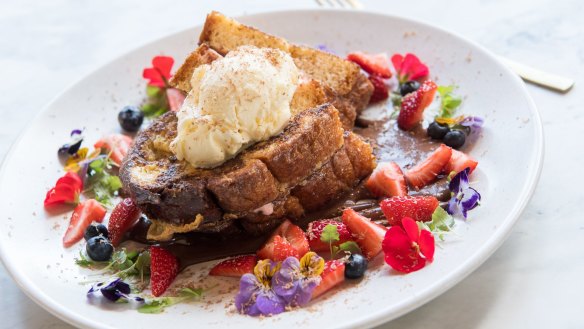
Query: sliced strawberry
175, 99
424, 173
84, 214
380, 89
283, 249
419, 208
414, 104
287, 240
117, 144
163, 270
123, 217
314, 233
333, 275
367, 234
387, 180
460, 161
372, 63
235, 266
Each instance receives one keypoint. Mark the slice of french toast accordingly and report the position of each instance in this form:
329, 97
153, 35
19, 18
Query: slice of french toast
312, 156
345, 86
310, 164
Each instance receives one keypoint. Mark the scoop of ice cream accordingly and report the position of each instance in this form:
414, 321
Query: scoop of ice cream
235, 101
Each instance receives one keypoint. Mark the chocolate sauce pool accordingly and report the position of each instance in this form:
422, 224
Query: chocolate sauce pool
406, 148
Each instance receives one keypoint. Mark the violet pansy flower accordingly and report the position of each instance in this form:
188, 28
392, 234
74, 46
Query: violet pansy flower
255, 296
114, 290
472, 122
296, 280
464, 197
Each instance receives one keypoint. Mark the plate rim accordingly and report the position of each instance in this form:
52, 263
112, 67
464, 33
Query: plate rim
452, 278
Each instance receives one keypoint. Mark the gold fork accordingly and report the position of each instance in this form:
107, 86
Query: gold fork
552, 81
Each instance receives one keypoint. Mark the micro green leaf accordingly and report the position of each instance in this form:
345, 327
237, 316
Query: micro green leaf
153, 91
351, 247
84, 261
448, 102
100, 182
157, 305
441, 223
329, 234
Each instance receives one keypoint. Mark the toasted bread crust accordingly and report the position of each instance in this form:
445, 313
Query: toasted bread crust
346, 87
202, 55
172, 191
310, 164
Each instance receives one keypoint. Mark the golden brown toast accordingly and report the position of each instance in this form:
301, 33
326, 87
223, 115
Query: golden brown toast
308, 165
308, 94
344, 84
312, 155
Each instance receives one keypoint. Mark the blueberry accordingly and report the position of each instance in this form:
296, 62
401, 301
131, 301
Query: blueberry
131, 118
454, 138
409, 87
437, 130
355, 267
95, 230
99, 249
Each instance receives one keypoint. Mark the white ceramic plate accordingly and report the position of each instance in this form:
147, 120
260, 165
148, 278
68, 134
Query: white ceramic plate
509, 151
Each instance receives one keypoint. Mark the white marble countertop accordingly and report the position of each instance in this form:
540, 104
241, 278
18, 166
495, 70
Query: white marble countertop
533, 281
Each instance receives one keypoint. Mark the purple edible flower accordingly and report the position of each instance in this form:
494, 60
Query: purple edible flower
472, 122
464, 197
113, 290
255, 296
296, 280
324, 48
76, 132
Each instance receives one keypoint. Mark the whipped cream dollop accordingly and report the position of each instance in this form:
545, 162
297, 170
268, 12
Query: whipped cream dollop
235, 101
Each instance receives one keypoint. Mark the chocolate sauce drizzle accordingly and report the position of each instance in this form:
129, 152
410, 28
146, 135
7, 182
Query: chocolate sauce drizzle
406, 148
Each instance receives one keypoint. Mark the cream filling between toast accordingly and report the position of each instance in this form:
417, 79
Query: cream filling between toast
235, 101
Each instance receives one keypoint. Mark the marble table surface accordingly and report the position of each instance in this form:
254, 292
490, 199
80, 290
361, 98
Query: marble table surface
533, 281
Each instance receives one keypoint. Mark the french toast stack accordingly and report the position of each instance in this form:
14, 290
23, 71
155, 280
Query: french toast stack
312, 162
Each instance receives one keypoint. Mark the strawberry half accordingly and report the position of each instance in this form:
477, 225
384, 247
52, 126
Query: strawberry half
287, 240
84, 214
419, 208
314, 232
333, 275
424, 173
460, 161
377, 64
367, 234
117, 144
124, 216
387, 180
414, 104
235, 266
163, 270
380, 89
175, 99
